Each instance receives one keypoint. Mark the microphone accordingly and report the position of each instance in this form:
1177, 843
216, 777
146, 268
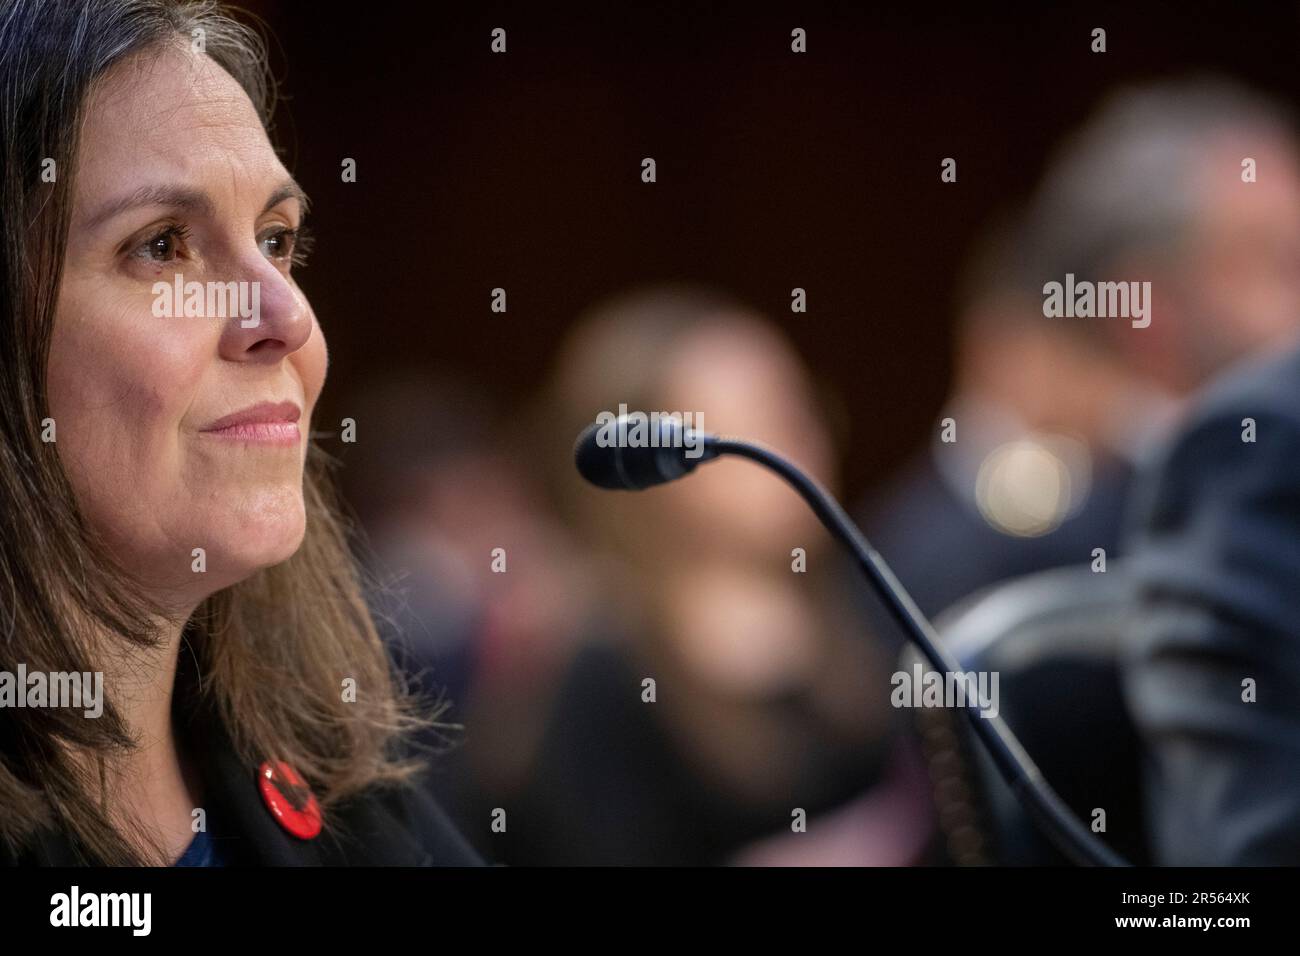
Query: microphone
663, 450
607, 456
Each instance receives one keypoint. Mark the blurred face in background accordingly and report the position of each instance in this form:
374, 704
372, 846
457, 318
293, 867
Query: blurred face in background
770, 659
708, 558
747, 381
1241, 275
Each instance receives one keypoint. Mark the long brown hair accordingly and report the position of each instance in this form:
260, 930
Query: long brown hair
272, 651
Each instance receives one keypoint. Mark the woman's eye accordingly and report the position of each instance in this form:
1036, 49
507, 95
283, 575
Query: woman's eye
164, 246
286, 245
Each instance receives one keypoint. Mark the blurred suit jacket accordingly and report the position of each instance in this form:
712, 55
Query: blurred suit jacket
1217, 564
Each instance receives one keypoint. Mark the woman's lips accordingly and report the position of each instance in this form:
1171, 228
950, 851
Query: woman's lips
268, 423
268, 433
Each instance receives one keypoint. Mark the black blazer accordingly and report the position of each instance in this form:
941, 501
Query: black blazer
1217, 561
389, 826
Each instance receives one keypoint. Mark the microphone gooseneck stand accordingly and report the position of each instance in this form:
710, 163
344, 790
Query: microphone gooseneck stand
1015, 765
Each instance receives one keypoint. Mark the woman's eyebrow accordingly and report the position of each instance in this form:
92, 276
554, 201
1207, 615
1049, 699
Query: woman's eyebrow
176, 197
180, 197
289, 190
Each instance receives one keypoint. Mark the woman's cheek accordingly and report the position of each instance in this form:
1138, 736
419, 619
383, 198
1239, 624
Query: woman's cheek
119, 387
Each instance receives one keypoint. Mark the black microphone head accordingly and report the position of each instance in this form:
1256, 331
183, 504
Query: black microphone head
637, 451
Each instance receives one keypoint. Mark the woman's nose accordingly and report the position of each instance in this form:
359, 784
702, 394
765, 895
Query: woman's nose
270, 319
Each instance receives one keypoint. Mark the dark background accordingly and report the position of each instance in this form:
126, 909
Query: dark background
775, 170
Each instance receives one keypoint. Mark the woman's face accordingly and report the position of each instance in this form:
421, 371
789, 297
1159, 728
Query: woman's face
176, 180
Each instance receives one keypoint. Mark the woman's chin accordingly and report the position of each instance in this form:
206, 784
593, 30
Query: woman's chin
237, 553
270, 545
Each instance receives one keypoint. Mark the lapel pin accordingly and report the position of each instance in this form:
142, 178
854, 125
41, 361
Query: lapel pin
289, 799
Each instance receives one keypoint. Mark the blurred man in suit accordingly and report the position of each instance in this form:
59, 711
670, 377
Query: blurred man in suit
1213, 677
1053, 414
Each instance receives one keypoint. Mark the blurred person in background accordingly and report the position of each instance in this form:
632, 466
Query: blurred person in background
1212, 668
1036, 472
768, 697
1052, 415
1212, 665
